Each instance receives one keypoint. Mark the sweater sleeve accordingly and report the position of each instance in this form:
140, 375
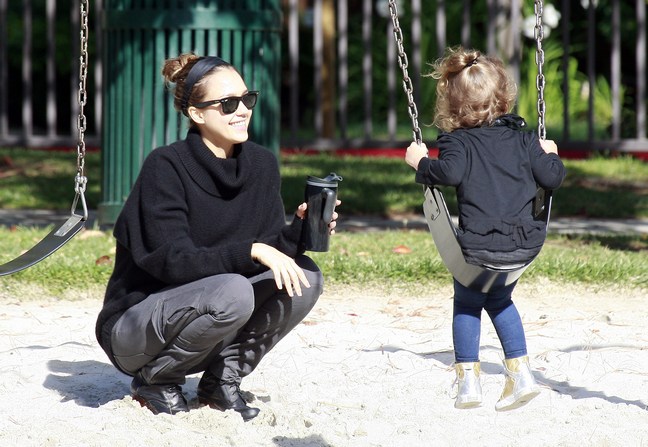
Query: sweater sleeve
449, 169
154, 227
285, 238
548, 170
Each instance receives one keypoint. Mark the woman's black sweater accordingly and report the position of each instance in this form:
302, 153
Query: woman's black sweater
191, 215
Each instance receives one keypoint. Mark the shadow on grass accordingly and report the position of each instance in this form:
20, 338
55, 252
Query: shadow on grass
621, 243
36, 179
372, 186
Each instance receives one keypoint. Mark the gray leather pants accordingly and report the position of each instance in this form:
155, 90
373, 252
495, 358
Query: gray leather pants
223, 323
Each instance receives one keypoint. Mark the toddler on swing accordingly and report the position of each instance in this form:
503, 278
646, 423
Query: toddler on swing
495, 165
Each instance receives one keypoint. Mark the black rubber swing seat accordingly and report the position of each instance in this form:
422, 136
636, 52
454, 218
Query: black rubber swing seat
48, 245
444, 233
66, 231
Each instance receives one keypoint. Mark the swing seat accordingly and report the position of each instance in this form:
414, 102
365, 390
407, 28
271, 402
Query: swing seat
48, 245
444, 233
66, 231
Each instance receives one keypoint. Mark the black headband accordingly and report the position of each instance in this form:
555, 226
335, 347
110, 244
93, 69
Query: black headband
199, 69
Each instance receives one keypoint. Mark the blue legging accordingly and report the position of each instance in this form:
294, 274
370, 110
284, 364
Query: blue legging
466, 322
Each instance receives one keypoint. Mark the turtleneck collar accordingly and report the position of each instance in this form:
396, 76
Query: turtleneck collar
221, 177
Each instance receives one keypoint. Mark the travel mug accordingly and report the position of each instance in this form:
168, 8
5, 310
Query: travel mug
320, 195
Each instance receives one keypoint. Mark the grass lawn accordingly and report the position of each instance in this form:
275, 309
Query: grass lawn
398, 259
599, 187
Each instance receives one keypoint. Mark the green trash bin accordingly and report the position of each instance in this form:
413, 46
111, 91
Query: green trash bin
138, 113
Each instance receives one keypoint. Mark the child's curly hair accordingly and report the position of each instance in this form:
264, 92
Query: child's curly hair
472, 90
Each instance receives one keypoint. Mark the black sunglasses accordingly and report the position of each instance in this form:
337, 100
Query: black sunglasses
230, 104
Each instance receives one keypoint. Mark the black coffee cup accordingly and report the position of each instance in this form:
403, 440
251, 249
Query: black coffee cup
320, 195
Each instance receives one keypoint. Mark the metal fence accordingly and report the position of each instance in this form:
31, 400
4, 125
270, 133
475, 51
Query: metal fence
39, 66
341, 84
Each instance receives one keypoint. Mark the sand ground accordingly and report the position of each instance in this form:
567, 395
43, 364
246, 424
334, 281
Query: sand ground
365, 368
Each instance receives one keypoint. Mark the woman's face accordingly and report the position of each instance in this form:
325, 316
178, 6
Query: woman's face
219, 130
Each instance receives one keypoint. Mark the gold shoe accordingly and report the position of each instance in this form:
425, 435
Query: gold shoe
520, 386
469, 394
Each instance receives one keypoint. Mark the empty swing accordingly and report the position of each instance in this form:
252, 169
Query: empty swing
440, 224
73, 224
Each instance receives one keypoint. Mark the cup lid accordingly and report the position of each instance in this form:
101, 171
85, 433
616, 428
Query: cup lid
330, 180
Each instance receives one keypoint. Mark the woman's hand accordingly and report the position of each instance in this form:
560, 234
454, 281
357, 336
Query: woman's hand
301, 213
415, 152
332, 224
549, 146
286, 271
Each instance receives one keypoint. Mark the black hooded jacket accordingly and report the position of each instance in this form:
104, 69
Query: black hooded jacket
496, 170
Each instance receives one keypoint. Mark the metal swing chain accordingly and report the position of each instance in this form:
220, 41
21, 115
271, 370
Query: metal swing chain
540, 79
403, 64
80, 179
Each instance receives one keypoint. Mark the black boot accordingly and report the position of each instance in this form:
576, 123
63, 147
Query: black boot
224, 396
158, 398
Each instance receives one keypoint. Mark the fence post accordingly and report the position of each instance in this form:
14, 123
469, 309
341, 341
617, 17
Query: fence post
138, 114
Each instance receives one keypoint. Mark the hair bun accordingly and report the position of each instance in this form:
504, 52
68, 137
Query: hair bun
173, 68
